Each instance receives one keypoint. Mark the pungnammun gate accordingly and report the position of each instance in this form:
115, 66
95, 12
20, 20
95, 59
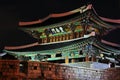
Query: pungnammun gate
65, 50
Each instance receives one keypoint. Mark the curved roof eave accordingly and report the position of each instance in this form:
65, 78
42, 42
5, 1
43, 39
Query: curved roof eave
110, 43
37, 44
21, 47
96, 43
55, 15
107, 19
110, 20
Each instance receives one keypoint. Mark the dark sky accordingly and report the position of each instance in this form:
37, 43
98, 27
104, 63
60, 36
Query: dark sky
13, 11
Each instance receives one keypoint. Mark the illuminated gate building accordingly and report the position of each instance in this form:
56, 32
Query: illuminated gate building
66, 50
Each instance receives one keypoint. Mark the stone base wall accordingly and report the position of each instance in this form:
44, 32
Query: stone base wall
112, 74
70, 73
56, 71
53, 71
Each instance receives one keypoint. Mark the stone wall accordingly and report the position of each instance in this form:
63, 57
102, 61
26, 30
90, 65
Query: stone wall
70, 73
53, 71
9, 69
112, 74
56, 71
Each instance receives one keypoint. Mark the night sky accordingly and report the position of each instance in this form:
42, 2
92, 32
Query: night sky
13, 11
